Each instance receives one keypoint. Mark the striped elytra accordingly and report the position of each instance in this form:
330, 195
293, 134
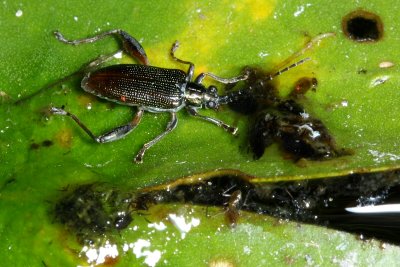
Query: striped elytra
138, 85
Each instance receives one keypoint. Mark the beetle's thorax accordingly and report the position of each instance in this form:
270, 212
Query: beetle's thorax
197, 95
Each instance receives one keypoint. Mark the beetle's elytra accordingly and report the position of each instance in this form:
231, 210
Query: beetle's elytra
115, 83
148, 88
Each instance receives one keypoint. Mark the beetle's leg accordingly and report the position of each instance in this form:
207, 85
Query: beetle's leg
171, 125
98, 61
130, 44
110, 136
121, 131
236, 79
191, 65
217, 122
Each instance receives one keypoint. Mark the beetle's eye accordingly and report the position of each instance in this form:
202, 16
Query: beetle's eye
211, 104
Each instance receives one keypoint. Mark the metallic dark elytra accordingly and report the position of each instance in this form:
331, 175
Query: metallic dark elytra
148, 88
151, 87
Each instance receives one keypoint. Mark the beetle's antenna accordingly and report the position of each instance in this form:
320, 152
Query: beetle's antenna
223, 100
279, 72
230, 97
86, 68
315, 41
48, 86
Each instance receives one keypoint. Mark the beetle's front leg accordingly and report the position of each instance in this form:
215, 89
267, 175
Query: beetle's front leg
110, 136
130, 44
217, 122
236, 79
191, 65
171, 125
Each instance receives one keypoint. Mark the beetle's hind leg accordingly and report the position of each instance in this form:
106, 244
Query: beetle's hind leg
99, 61
171, 126
131, 45
113, 135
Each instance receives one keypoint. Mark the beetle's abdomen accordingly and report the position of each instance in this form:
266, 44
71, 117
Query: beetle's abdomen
158, 89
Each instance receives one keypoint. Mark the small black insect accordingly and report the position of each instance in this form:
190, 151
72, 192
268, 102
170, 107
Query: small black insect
148, 88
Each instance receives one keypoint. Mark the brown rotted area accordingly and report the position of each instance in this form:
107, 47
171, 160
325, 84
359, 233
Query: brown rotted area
282, 120
318, 201
93, 210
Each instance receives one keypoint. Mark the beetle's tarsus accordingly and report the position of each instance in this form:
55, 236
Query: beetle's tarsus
233, 130
175, 46
58, 35
58, 111
139, 158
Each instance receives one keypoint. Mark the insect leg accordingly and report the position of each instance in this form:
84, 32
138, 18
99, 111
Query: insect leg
171, 125
217, 122
191, 65
98, 61
236, 79
110, 136
130, 44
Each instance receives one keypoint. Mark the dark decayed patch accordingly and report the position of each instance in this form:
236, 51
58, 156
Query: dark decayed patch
362, 26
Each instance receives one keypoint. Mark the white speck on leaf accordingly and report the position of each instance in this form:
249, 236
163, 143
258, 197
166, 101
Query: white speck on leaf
386, 64
300, 9
158, 226
183, 226
263, 54
379, 80
151, 257
381, 156
99, 255
19, 13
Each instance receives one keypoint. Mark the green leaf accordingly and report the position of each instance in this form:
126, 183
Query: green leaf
41, 154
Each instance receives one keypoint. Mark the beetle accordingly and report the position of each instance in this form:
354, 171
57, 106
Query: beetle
148, 88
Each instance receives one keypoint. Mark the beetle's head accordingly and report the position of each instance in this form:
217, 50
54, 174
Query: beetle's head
211, 98
199, 96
